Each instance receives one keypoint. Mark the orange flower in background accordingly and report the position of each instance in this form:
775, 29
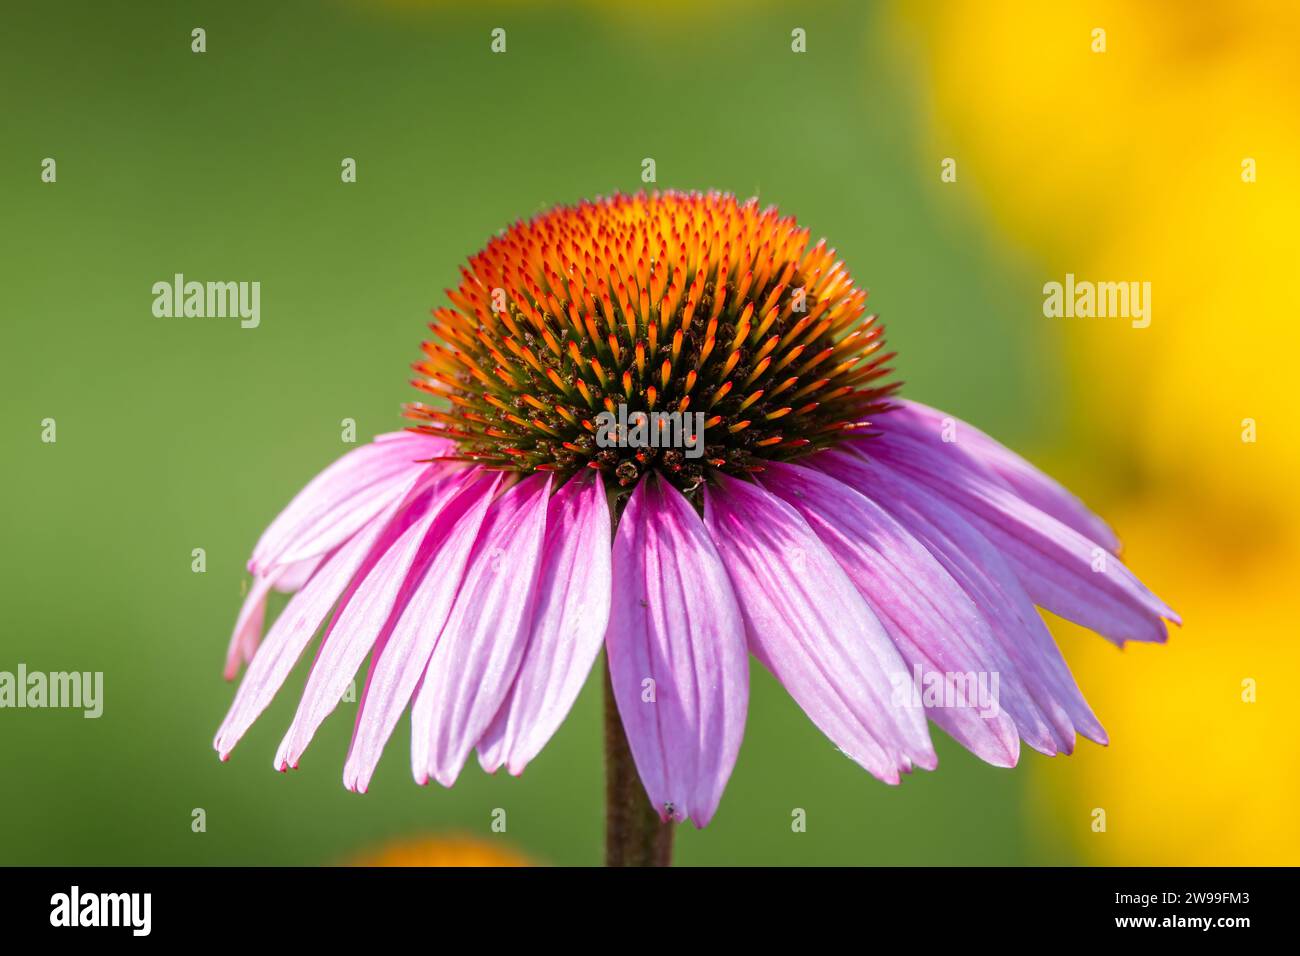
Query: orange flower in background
449, 850
1158, 143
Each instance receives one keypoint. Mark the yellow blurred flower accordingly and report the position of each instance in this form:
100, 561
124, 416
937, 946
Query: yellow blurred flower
1202, 768
1127, 165
1134, 164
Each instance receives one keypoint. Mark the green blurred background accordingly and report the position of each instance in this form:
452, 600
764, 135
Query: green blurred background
175, 434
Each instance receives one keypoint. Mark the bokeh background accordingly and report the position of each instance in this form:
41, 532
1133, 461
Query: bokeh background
175, 434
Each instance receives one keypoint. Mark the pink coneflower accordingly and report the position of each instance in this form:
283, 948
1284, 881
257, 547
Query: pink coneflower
851, 541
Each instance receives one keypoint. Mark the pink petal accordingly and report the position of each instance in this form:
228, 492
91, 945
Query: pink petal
931, 620
368, 616
291, 577
299, 621
1054, 562
397, 667
248, 626
674, 621
928, 424
477, 656
568, 626
980, 571
343, 498
809, 625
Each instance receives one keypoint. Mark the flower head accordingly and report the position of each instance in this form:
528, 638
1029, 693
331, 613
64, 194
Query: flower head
668, 302
881, 559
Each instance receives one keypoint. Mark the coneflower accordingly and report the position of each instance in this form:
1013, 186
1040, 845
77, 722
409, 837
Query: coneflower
855, 543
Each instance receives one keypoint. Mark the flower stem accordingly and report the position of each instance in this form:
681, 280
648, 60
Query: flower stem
634, 835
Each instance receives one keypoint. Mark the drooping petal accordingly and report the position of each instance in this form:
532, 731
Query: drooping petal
1041, 722
301, 618
343, 498
368, 615
980, 571
248, 626
676, 650
247, 634
932, 621
1060, 569
397, 666
476, 657
809, 625
291, 577
1043, 492
568, 625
